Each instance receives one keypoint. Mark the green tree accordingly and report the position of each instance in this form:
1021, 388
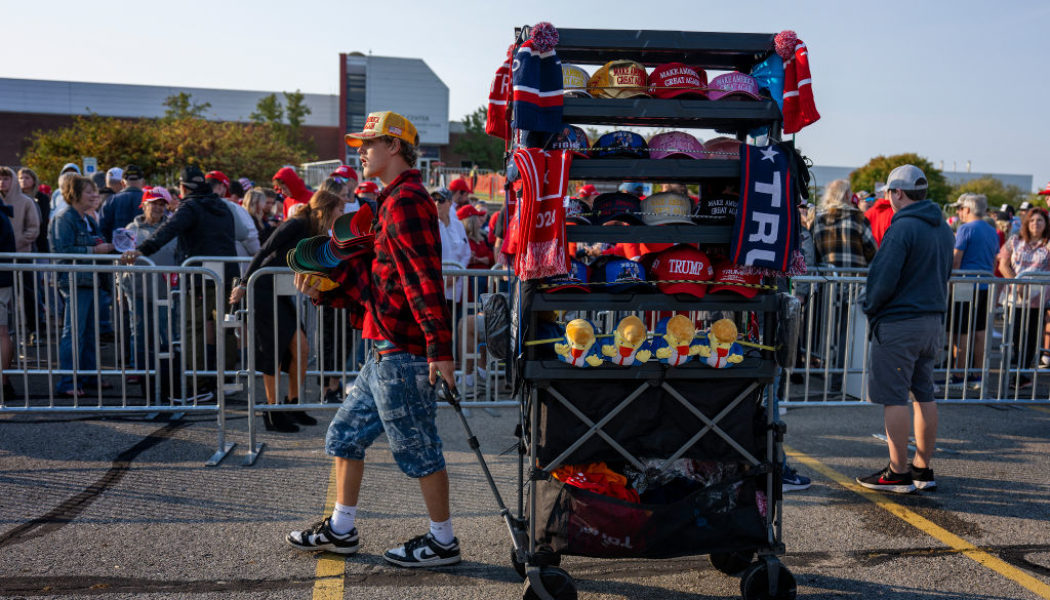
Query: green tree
879, 168
268, 110
296, 109
479, 147
180, 106
997, 193
163, 146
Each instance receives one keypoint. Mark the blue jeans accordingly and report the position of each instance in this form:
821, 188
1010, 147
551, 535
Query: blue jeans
83, 303
394, 396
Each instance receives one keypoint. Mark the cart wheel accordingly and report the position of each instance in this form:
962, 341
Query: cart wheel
731, 563
541, 558
754, 584
556, 582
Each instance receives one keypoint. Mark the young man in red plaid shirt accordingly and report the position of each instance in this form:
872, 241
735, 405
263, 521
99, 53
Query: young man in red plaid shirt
408, 321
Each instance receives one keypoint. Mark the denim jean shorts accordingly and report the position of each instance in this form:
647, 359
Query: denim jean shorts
394, 396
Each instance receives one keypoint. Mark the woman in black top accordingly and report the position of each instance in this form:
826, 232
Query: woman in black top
272, 311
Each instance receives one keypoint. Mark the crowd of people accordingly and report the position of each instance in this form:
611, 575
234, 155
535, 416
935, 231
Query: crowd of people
205, 214
847, 230
210, 214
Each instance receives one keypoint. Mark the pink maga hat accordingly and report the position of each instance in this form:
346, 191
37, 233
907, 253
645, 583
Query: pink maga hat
735, 84
676, 144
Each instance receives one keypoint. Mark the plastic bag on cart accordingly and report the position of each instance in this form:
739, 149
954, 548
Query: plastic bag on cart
717, 518
788, 317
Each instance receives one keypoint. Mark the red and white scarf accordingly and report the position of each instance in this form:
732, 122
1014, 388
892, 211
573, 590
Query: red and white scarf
542, 247
499, 95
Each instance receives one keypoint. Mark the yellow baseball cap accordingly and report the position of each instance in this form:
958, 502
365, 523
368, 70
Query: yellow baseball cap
384, 123
619, 79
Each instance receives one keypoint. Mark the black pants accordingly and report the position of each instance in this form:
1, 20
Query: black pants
1027, 333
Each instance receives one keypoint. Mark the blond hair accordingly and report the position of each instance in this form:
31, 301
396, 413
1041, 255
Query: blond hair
837, 193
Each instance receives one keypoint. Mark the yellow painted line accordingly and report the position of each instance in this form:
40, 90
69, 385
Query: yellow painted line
331, 567
926, 526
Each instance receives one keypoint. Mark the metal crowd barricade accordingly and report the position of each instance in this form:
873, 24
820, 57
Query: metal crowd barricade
335, 350
36, 303
995, 332
69, 360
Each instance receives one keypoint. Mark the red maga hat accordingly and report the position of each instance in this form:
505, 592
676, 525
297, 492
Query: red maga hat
345, 171
459, 185
728, 274
587, 190
468, 210
673, 80
218, 176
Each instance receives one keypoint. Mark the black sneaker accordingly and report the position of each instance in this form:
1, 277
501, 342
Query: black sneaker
889, 481
321, 537
923, 478
424, 551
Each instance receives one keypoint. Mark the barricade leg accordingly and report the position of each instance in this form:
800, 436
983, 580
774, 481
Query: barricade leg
217, 304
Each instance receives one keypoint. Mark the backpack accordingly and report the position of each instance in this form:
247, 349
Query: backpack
497, 325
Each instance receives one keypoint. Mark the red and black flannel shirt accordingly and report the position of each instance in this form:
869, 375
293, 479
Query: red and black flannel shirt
405, 296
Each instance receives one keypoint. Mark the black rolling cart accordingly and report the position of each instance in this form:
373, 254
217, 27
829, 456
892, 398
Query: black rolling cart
651, 412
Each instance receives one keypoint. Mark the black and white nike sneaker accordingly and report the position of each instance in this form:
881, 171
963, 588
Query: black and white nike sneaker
424, 551
321, 537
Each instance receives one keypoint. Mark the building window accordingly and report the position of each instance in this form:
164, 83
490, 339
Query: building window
355, 94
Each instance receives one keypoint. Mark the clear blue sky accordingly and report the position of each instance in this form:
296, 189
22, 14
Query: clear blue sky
955, 81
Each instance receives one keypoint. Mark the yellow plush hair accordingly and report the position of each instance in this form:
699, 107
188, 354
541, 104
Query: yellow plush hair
681, 328
724, 330
632, 329
580, 332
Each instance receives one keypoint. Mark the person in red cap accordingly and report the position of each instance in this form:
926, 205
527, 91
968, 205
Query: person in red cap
288, 184
366, 192
342, 181
245, 233
480, 252
460, 189
587, 194
220, 183
345, 172
154, 213
367, 189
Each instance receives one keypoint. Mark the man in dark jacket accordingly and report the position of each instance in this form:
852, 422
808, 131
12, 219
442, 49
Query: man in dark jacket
121, 208
906, 300
204, 227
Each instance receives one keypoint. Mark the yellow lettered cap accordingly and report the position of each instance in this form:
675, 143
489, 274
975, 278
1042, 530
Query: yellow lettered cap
385, 123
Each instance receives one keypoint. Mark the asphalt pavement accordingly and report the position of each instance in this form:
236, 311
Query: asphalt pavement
124, 508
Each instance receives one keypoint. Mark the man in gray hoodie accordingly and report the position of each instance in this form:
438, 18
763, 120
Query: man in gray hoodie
906, 300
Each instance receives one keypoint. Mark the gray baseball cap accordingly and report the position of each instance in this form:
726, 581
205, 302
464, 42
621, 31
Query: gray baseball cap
907, 177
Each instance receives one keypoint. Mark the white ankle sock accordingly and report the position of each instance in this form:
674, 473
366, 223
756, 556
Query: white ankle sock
442, 532
481, 372
343, 518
